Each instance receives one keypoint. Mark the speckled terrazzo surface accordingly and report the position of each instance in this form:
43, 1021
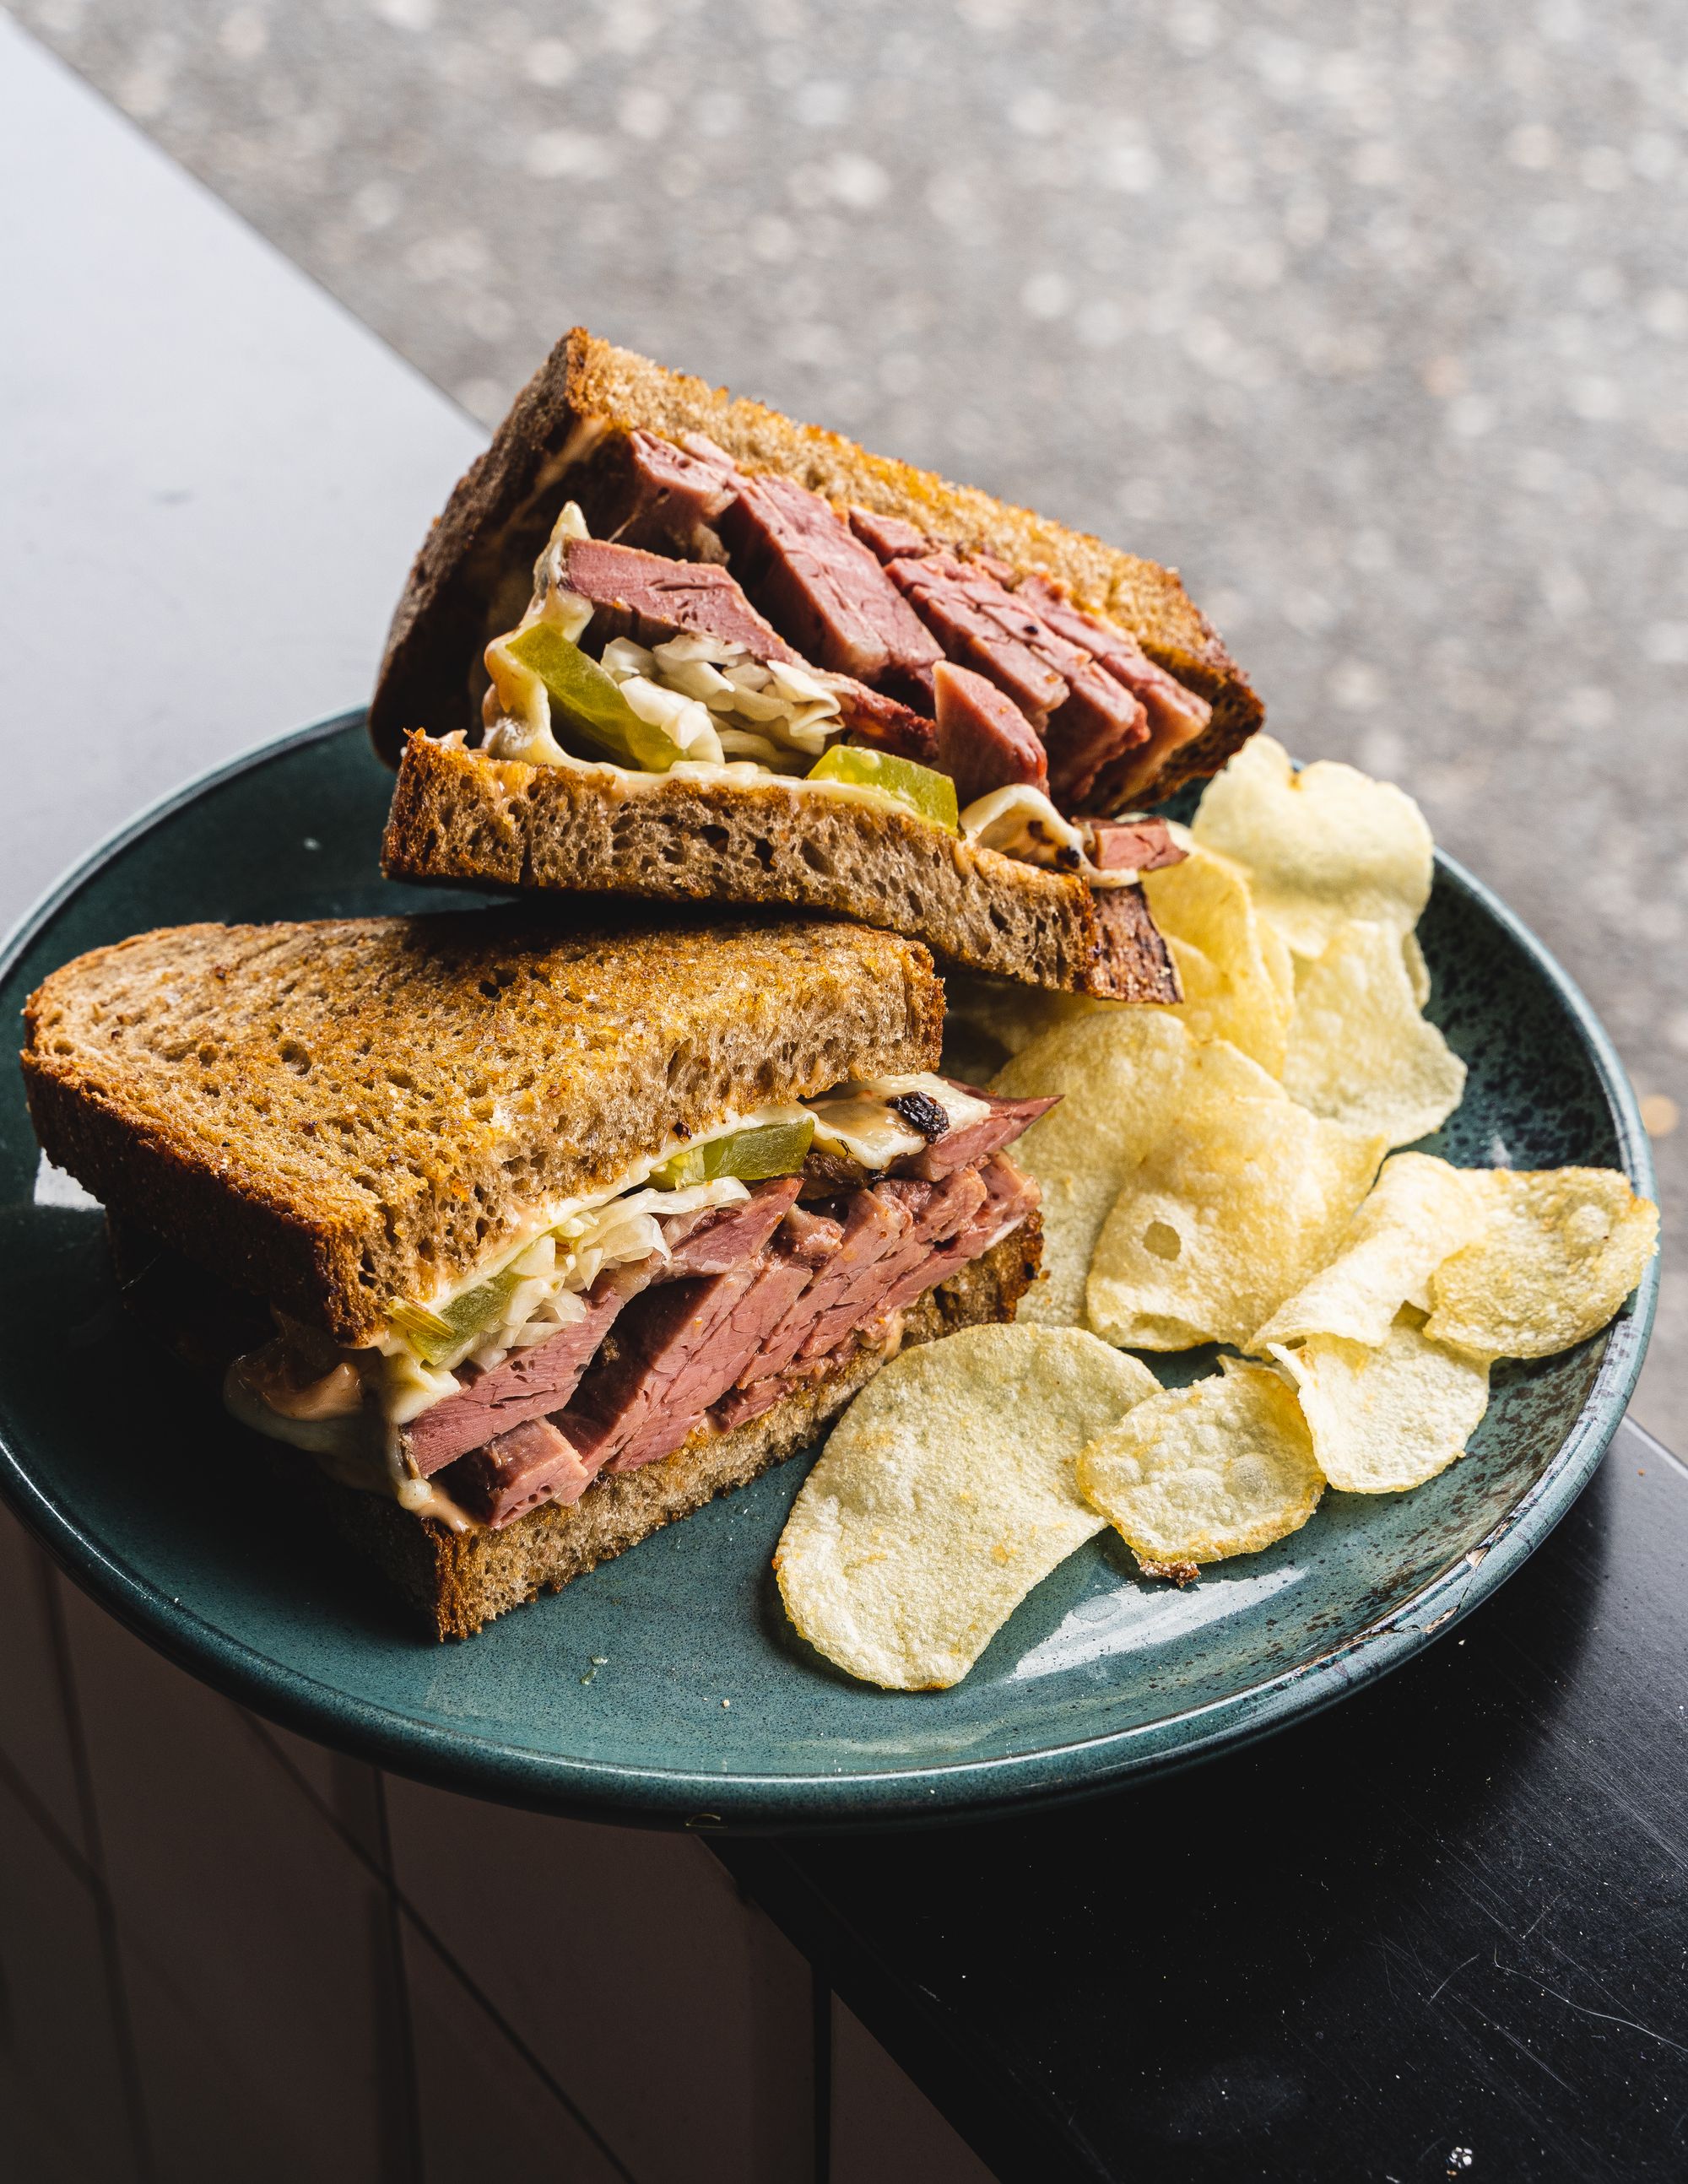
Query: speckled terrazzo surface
1373, 319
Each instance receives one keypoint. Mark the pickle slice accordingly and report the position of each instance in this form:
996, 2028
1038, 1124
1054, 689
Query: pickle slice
439, 1337
752, 1155
930, 794
592, 699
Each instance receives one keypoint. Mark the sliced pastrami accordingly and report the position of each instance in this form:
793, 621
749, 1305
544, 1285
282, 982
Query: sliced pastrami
672, 500
1173, 714
649, 597
949, 1225
1086, 718
984, 741
959, 1227
1134, 845
812, 576
1007, 1120
533, 1463
888, 536
723, 1237
541, 1378
978, 625
528, 1384
872, 1227
689, 1343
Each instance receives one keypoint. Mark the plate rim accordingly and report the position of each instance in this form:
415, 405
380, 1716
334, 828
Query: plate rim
740, 1801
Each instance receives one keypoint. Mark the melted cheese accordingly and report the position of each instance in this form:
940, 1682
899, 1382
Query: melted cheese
856, 1123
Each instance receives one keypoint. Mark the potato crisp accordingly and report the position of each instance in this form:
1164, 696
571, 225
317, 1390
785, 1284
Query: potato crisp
1321, 847
1359, 1049
1560, 1250
946, 1492
1389, 1416
1419, 1213
1235, 1208
1194, 1474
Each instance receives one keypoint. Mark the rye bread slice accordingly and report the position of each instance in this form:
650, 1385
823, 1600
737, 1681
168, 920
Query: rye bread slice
461, 816
339, 1115
472, 576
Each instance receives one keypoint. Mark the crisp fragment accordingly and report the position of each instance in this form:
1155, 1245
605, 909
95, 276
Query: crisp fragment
946, 1492
1389, 1417
1321, 846
1561, 1250
1233, 1211
1419, 1212
1236, 982
1121, 1073
1193, 1474
1359, 1051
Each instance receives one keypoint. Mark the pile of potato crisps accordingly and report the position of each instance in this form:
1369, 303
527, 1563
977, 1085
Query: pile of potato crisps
1221, 1170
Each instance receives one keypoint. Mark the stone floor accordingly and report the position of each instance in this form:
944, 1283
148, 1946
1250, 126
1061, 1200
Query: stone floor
1372, 317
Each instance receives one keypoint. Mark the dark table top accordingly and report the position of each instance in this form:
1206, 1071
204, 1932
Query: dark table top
1441, 1927
1447, 1914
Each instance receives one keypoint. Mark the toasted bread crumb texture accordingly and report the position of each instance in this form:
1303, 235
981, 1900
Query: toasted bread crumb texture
458, 815
336, 1116
497, 517
459, 1583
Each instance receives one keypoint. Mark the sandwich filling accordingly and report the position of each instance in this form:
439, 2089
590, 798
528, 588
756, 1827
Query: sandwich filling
712, 1281
738, 626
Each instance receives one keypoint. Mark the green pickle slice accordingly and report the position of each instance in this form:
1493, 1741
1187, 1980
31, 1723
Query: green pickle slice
437, 1337
931, 794
752, 1155
591, 699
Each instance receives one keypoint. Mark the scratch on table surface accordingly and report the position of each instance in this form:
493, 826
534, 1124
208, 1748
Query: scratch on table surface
1583, 2009
1540, 1916
1648, 1828
1524, 2049
1453, 1975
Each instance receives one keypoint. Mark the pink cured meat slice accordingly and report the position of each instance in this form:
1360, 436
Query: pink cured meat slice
1085, 716
534, 1382
675, 499
725, 1237
888, 536
984, 741
978, 625
528, 1384
824, 1313
533, 1463
814, 578
960, 1220
1139, 845
650, 598
693, 1341
977, 1141
1175, 715
884, 723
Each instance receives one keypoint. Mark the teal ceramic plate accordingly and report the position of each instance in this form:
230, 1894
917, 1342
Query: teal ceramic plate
667, 1686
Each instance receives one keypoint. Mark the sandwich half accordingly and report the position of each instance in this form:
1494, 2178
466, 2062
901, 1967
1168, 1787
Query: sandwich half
664, 642
559, 1236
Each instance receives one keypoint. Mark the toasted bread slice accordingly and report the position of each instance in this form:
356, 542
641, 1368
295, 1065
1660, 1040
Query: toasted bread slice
459, 816
341, 1115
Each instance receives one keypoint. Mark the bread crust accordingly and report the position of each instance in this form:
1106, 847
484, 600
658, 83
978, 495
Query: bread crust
461, 816
502, 508
338, 1115
458, 1582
